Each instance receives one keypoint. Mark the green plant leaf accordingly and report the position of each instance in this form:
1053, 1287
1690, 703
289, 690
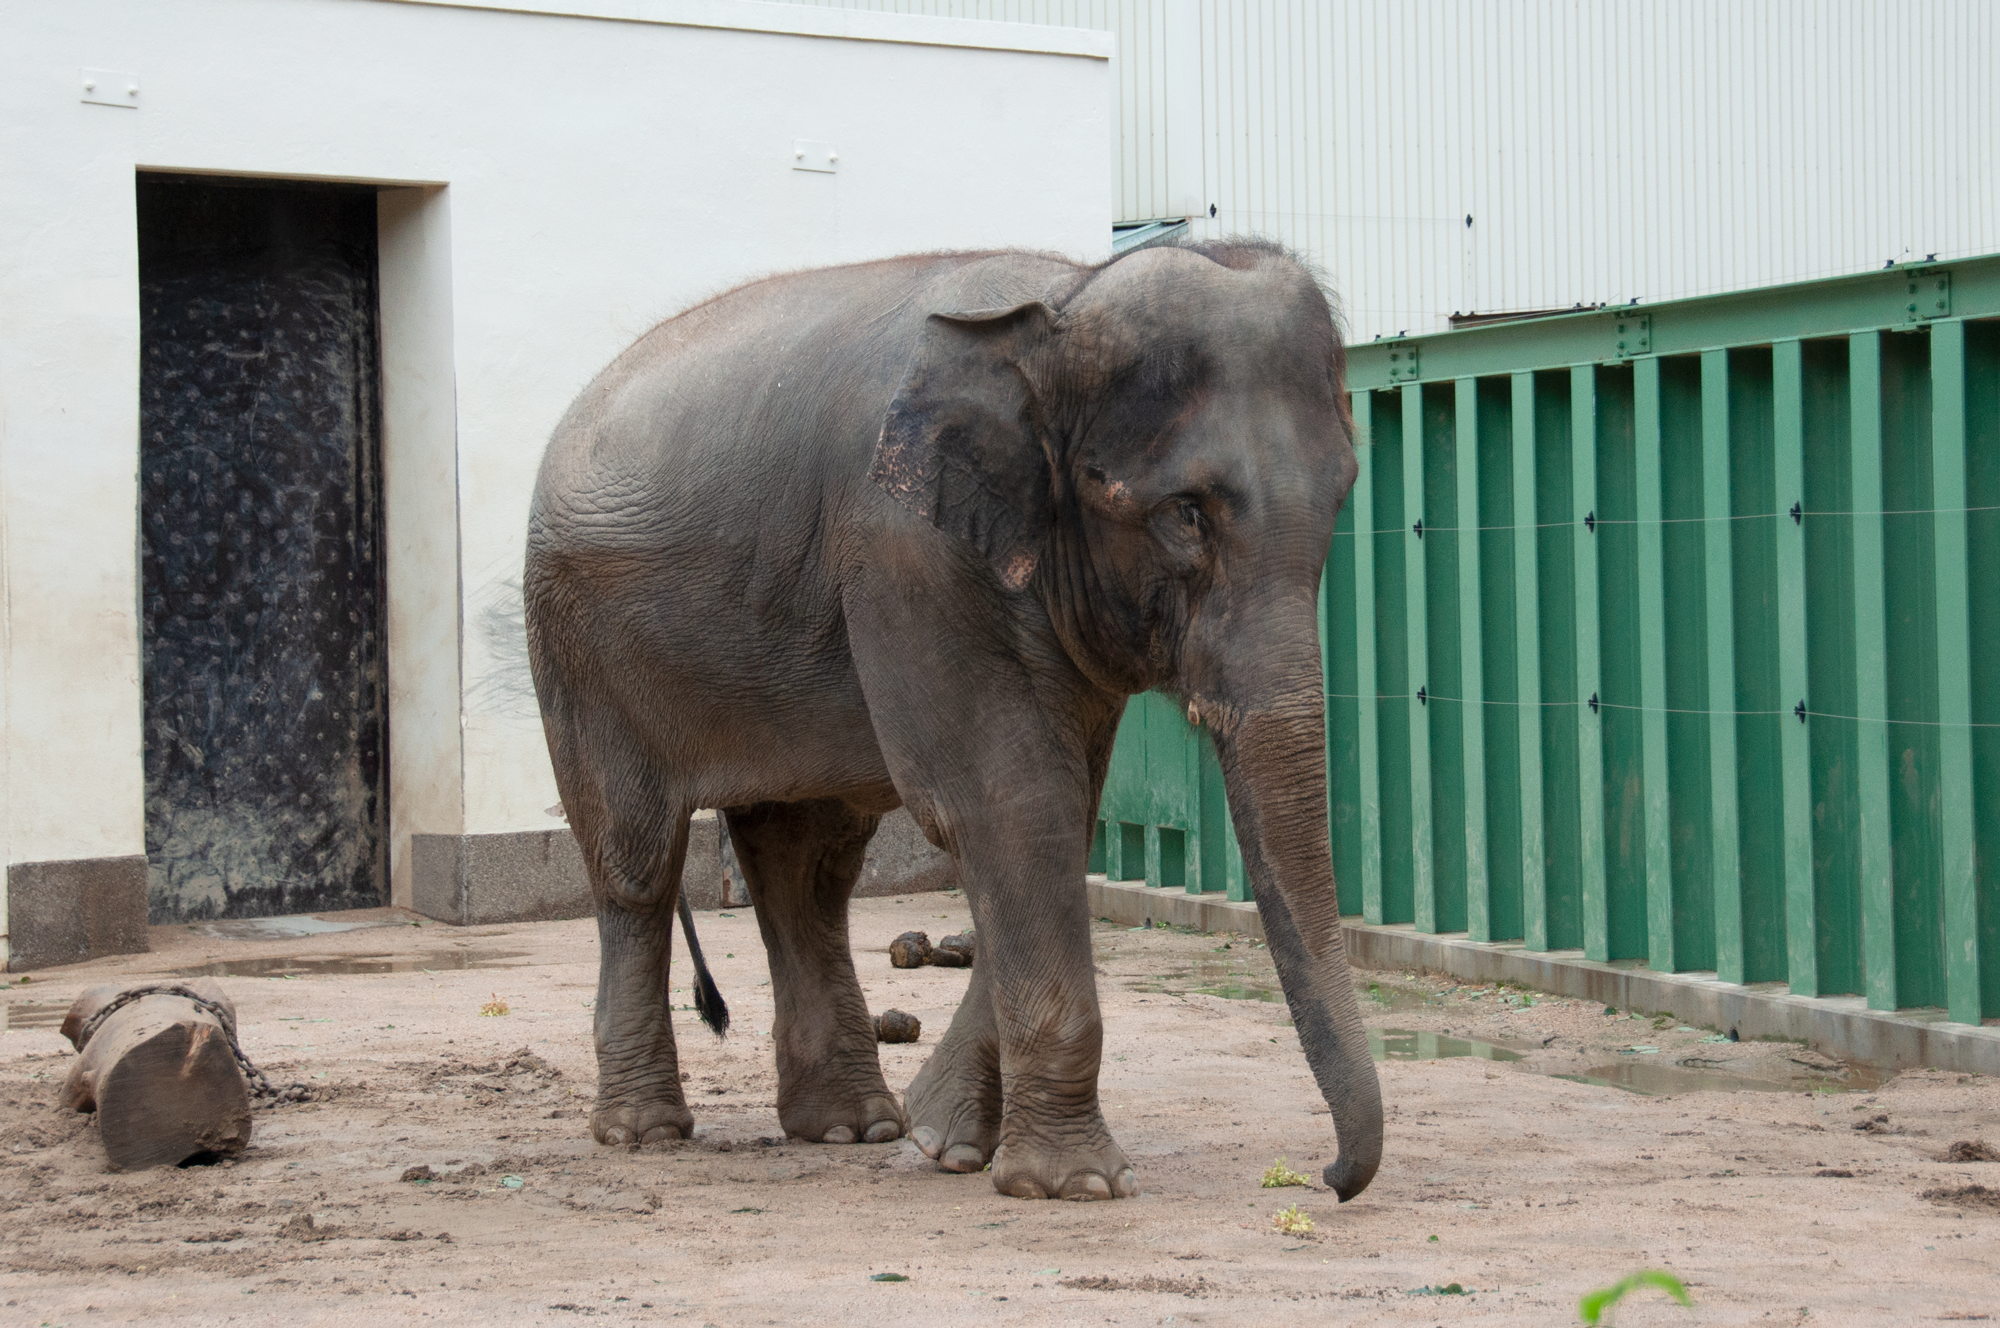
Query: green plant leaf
888, 1277
1593, 1305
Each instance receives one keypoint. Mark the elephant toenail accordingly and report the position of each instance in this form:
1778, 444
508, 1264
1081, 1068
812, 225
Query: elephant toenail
660, 1134
882, 1131
1025, 1188
839, 1134
962, 1158
1090, 1186
1127, 1183
927, 1139
617, 1135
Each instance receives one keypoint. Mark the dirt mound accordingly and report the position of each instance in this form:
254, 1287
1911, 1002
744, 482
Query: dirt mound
1173, 1286
1976, 1197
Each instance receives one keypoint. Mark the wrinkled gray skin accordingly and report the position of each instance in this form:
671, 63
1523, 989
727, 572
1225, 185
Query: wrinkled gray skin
913, 531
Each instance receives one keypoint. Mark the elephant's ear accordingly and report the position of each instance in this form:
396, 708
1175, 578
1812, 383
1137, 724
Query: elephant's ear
962, 446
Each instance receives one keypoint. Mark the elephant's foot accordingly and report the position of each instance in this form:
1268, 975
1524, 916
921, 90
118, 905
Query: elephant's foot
870, 1114
955, 1110
1093, 1167
624, 1122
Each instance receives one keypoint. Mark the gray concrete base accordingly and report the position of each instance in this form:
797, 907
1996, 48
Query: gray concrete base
473, 880
1840, 1026
69, 911
538, 876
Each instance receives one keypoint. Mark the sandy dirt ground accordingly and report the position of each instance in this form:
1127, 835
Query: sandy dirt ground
1506, 1191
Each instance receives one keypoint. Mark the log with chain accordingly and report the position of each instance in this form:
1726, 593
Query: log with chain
161, 1065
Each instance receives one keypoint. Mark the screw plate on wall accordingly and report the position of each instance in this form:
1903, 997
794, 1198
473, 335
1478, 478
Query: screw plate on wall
110, 87
810, 156
1632, 335
1927, 295
1402, 362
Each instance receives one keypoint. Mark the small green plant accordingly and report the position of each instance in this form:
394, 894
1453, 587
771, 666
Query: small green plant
1593, 1306
1293, 1221
1280, 1174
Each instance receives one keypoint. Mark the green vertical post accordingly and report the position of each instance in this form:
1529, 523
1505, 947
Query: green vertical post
1653, 665
1472, 676
1795, 751
1720, 584
1416, 611
1871, 672
1363, 502
1589, 725
1528, 666
1954, 654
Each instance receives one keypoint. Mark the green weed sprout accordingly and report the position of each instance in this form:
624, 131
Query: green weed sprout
1293, 1221
1280, 1174
1593, 1306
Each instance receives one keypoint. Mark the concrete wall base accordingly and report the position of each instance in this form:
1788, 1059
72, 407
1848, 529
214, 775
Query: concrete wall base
69, 911
538, 876
1840, 1026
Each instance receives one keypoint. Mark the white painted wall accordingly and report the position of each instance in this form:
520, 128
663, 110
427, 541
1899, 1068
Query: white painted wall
568, 180
1605, 149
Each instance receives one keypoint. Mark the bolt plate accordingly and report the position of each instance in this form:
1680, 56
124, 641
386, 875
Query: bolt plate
1927, 295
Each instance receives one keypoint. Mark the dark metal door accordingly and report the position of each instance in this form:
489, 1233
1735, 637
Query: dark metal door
261, 549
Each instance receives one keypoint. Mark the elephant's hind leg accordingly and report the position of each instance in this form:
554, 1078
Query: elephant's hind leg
801, 860
633, 838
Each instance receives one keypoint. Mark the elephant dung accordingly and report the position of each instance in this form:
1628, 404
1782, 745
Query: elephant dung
910, 950
953, 951
895, 1026
160, 1075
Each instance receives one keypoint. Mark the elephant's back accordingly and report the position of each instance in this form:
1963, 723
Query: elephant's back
741, 405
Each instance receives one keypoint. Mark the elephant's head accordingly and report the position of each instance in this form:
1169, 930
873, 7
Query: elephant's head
1155, 450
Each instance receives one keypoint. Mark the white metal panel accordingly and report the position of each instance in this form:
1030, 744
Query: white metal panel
1604, 150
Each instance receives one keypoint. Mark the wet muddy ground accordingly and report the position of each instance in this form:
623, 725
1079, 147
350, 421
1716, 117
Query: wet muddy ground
1537, 1147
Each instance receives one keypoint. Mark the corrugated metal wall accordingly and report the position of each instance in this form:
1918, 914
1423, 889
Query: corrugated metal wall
1603, 151
1669, 636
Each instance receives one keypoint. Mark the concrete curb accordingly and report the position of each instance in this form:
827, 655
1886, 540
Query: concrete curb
1840, 1026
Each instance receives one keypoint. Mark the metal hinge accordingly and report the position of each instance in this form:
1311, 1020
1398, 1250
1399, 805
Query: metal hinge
1928, 296
1635, 335
1402, 362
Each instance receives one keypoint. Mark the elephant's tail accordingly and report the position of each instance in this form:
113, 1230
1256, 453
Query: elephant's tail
707, 999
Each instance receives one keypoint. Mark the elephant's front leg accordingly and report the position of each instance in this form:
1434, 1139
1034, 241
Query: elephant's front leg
1024, 873
801, 860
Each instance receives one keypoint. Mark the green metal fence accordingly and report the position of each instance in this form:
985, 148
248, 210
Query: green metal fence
1667, 634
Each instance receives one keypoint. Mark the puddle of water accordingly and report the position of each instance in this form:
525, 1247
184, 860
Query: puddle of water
1228, 981
284, 928
1399, 1044
1231, 983
1389, 996
31, 1014
1653, 1079
282, 966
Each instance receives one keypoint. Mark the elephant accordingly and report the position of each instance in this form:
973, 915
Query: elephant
911, 532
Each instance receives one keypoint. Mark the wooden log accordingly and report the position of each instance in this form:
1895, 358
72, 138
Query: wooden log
161, 1076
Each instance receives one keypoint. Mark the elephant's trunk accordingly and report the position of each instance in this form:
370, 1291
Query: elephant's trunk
1274, 767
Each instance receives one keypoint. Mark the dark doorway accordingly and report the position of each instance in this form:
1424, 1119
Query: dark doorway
260, 520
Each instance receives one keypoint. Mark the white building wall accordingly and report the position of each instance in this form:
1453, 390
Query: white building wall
1604, 150
570, 178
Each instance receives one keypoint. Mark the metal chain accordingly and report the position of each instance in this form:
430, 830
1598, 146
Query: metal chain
260, 1086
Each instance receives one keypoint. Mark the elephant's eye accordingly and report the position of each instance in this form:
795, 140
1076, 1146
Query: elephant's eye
1193, 517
